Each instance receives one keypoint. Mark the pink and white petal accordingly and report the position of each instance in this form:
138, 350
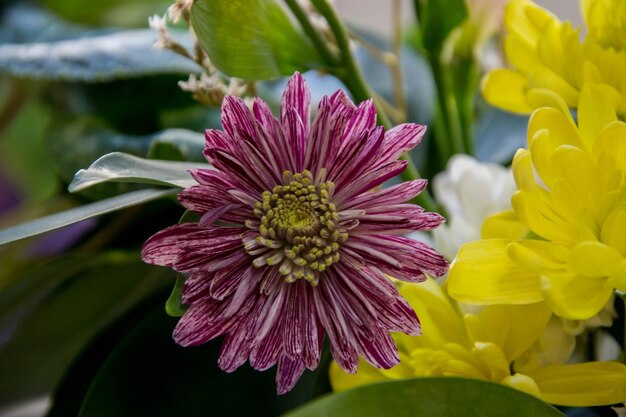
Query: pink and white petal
288, 373
297, 97
364, 118
227, 279
162, 247
396, 194
236, 114
295, 320
237, 344
356, 163
238, 171
367, 181
400, 139
377, 347
193, 328
398, 221
295, 134
341, 346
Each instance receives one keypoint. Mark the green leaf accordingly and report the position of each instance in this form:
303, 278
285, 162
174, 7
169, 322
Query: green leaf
64, 218
174, 306
51, 312
438, 18
121, 167
251, 39
98, 58
149, 375
432, 397
183, 144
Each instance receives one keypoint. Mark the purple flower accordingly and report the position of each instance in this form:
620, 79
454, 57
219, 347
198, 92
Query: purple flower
294, 242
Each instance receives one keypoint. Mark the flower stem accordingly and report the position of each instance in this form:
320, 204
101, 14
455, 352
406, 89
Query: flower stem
329, 57
351, 75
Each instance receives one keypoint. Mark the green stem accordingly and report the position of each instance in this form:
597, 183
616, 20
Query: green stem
352, 77
467, 74
319, 43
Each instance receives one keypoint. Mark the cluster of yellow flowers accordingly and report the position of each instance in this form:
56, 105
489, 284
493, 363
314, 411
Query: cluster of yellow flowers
560, 253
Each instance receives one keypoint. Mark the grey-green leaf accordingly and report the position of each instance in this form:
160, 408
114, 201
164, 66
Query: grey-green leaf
64, 218
251, 39
97, 58
432, 397
122, 167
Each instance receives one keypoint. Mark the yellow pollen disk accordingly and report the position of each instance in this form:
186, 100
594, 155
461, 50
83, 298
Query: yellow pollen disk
299, 224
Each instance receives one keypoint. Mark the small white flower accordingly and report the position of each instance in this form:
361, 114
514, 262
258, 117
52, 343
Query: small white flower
470, 191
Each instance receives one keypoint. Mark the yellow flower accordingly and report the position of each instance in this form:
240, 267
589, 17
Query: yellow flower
547, 53
485, 346
571, 206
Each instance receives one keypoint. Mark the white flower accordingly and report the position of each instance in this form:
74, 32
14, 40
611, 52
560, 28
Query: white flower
470, 191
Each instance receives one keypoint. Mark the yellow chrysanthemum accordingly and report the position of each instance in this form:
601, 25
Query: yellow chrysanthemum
547, 53
485, 346
571, 208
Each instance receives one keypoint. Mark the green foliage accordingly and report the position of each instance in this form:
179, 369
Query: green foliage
147, 374
64, 218
121, 167
432, 397
437, 18
96, 58
174, 306
50, 313
251, 39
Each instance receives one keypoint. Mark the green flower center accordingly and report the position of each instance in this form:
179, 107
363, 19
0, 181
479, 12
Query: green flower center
299, 222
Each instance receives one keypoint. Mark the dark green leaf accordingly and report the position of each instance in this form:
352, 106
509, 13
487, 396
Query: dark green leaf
50, 313
438, 18
121, 167
64, 218
432, 397
149, 375
97, 58
251, 39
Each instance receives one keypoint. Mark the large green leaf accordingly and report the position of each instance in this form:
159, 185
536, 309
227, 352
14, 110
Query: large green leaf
121, 167
432, 397
251, 39
49, 313
149, 375
97, 58
64, 218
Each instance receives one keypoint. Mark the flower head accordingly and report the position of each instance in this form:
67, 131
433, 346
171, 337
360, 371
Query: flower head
547, 53
563, 241
294, 242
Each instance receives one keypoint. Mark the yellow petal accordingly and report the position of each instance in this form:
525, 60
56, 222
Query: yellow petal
539, 255
523, 383
494, 359
583, 384
594, 259
506, 89
543, 97
504, 225
613, 229
484, 274
440, 318
340, 380
611, 141
575, 297
543, 77
595, 111
514, 328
